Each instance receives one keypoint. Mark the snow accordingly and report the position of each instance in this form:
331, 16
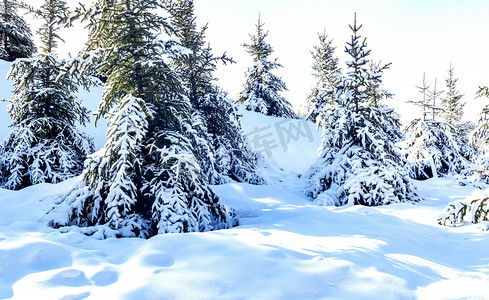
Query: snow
286, 247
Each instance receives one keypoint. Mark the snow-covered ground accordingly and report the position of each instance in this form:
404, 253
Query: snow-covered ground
286, 247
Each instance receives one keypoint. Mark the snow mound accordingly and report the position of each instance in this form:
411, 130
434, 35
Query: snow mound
288, 144
286, 247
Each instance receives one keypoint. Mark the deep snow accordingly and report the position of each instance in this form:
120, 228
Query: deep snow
286, 247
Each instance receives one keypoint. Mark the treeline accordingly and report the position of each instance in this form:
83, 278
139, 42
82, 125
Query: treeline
172, 131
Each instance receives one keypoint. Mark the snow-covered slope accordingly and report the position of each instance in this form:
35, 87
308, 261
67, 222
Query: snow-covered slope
288, 144
285, 248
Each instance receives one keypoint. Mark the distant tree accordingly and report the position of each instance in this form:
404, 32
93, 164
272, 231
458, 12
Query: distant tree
222, 151
453, 108
480, 140
146, 180
453, 113
261, 89
359, 162
480, 136
431, 148
328, 75
474, 210
44, 144
15, 35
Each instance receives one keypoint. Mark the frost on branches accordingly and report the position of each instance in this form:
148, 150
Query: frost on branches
44, 144
359, 162
147, 178
220, 148
480, 139
233, 157
16, 39
431, 146
328, 75
476, 210
431, 151
261, 89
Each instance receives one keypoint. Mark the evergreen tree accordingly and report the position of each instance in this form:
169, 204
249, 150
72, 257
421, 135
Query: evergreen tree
261, 89
451, 103
452, 115
44, 144
430, 146
474, 210
221, 150
359, 162
375, 90
328, 75
146, 180
15, 35
480, 141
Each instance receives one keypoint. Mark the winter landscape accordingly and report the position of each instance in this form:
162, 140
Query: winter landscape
128, 170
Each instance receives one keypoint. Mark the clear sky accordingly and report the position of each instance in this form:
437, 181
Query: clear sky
415, 35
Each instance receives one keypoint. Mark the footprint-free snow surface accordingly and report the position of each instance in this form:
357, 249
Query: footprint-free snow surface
286, 247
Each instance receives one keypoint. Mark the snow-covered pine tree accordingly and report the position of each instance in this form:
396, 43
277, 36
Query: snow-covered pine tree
480, 140
477, 210
452, 115
328, 75
15, 35
451, 103
44, 144
146, 180
221, 150
359, 162
261, 89
429, 147
375, 91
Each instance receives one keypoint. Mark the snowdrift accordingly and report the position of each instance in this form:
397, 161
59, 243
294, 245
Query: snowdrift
286, 247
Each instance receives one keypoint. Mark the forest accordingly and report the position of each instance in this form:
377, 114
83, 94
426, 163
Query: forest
185, 162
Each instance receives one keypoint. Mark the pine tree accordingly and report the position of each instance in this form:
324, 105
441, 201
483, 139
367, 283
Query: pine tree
328, 75
430, 146
15, 35
146, 180
452, 115
451, 103
222, 151
480, 140
476, 210
359, 162
44, 144
375, 90
261, 89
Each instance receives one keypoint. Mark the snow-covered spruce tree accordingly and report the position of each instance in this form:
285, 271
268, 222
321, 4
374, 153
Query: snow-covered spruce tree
328, 75
430, 149
146, 180
452, 115
480, 140
44, 144
15, 35
476, 210
261, 89
221, 149
375, 90
359, 162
